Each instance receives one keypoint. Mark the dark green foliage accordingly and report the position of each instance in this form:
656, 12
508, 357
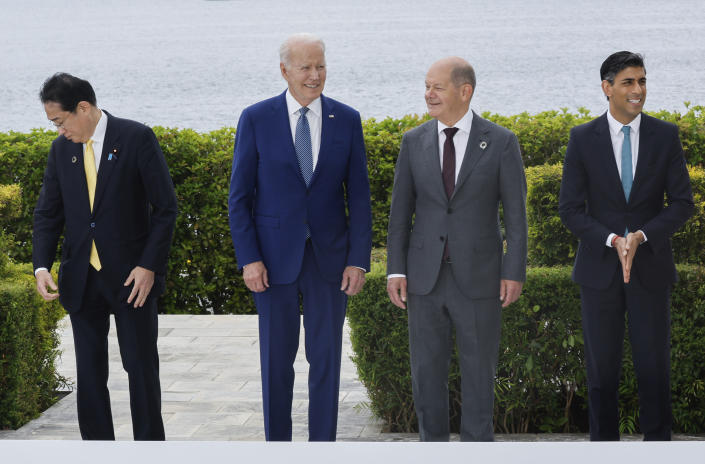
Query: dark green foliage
203, 274
550, 243
541, 385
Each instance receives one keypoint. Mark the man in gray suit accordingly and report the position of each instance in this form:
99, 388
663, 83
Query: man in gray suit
445, 247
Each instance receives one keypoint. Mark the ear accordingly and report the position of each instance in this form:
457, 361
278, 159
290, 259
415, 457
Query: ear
83, 106
607, 88
466, 92
282, 68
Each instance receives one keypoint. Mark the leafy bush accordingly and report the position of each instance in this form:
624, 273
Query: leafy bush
541, 383
550, 243
203, 273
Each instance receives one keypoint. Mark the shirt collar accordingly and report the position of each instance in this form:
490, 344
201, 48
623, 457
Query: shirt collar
292, 106
616, 126
463, 125
99, 132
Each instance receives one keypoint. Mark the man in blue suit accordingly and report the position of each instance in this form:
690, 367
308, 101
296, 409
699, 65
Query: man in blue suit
300, 220
617, 170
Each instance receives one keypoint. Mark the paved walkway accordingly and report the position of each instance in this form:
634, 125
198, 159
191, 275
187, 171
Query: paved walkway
211, 388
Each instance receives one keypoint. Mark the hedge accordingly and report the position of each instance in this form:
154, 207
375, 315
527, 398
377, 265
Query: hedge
203, 274
550, 243
540, 384
28, 339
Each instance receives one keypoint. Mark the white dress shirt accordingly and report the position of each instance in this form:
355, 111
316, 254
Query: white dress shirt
460, 140
617, 137
98, 138
314, 122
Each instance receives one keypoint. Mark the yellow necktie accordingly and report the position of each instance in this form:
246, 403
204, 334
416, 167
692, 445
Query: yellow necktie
91, 178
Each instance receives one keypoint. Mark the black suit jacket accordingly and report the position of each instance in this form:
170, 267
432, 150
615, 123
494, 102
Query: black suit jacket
592, 203
133, 215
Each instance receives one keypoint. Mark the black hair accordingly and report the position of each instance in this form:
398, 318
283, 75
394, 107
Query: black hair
67, 91
619, 61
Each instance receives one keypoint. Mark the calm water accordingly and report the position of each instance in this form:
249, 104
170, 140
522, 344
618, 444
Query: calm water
198, 63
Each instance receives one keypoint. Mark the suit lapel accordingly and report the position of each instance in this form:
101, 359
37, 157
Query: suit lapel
478, 142
604, 151
77, 171
109, 158
282, 128
327, 130
646, 141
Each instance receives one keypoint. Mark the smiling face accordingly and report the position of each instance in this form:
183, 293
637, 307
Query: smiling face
626, 94
305, 72
446, 101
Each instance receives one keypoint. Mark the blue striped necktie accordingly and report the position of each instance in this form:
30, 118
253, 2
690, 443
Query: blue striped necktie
304, 152
302, 144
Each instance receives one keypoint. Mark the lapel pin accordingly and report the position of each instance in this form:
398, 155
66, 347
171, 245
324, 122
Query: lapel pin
331, 116
483, 145
112, 155
74, 159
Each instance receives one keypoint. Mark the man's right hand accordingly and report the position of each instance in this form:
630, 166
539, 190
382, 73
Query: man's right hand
396, 289
626, 249
255, 276
45, 280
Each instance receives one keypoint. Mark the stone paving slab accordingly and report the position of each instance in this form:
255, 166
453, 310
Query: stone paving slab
211, 389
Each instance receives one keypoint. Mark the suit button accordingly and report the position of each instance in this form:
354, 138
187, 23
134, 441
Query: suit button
443, 239
92, 225
450, 210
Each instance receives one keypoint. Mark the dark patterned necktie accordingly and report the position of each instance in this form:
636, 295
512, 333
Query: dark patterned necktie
449, 161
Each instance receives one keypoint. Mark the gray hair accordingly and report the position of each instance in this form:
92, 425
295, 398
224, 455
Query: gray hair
302, 37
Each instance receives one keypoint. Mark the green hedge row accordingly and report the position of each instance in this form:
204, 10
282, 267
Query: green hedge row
28, 339
550, 243
541, 384
203, 274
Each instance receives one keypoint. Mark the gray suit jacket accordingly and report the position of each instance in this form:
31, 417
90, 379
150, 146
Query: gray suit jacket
422, 217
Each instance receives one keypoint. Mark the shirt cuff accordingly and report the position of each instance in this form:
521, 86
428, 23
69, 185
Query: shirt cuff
609, 239
365, 270
645, 237
395, 275
45, 269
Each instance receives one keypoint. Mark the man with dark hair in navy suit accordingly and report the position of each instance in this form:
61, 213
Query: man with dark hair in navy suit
300, 220
107, 188
617, 170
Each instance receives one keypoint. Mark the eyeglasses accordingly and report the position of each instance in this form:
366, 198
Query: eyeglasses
55, 125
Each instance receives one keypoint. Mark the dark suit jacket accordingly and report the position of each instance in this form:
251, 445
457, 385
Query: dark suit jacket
270, 204
422, 216
133, 216
592, 203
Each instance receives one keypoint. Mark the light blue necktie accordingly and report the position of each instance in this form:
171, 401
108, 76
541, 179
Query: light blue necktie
627, 175
304, 152
302, 144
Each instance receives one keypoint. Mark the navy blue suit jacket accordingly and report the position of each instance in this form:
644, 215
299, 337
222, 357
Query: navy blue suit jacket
269, 202
592, 203
133, 217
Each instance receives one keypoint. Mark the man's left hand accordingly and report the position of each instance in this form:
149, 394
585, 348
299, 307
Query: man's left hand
633, 240
143, 280
509, 291
353, 280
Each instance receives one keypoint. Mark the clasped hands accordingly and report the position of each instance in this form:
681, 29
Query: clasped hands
626, 249
256, 279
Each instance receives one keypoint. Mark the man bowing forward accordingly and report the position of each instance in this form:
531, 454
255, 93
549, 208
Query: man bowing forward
299, 164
